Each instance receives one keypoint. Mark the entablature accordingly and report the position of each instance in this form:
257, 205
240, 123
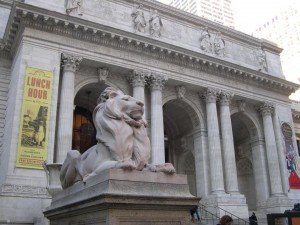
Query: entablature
24, 15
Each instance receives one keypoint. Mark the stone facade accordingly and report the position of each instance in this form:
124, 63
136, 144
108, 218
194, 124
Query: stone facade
214, 108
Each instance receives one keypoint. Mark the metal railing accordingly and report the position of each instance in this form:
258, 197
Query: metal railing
208, 215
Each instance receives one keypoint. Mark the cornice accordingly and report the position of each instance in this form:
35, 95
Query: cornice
24, 15
202, 22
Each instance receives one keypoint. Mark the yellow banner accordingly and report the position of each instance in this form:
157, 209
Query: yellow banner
34, 121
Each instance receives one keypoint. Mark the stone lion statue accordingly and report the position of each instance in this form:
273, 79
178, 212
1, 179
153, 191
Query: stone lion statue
122, 141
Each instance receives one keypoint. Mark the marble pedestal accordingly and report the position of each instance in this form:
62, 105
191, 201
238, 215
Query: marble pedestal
231, 203
124, 198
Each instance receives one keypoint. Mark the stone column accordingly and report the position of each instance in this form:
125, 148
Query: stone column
272, 157
214, 146
201, 163
65, 118
156, 83
231, 183
260, 171
137, 80
281, 154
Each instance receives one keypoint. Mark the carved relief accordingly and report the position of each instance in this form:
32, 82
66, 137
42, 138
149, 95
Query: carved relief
74, 6
241, 104
102, 74
180, 91
155, 24
219, 45
261, 58
205, 41
212, 45
138, 19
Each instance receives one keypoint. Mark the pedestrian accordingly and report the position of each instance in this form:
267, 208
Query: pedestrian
253, 219
225, 220
194, 211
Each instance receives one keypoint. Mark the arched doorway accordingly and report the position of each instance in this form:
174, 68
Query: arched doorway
180, 120
244, 132
84, 132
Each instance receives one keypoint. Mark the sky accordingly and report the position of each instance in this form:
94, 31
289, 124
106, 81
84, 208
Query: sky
250, 14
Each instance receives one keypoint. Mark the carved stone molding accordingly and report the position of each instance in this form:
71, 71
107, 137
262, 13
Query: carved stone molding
210, 95
138, 78
266, 109
138, 19
70, 62
155, 24
74, 6
49, 23
225, 97
156, 81
180, 91
24, 190
102, 74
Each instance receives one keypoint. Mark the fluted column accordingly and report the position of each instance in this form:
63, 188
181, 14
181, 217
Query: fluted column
65, 119
281, 154
231, 183
137, 80
214, 146
260, 170
156, 83
272, 157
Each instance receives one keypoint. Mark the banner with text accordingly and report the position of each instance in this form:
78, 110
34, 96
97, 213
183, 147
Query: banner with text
34, 121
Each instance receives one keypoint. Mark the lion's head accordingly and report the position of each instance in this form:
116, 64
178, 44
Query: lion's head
120, 126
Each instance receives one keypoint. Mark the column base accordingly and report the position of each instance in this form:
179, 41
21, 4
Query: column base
275, 204
234, 203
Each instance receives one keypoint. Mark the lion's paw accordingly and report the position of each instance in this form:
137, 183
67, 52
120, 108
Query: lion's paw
87, 176
127, 165
166, 168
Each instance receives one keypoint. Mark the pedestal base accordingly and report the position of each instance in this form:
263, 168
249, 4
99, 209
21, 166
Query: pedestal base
124, 198
276, 204
235, 204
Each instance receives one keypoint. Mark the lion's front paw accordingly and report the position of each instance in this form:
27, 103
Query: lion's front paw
126, 165
166, 168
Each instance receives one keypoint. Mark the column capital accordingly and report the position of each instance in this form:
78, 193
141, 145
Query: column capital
70, 62
102, 74
225, 97
266, 109
210, 95
138, 78
156, 81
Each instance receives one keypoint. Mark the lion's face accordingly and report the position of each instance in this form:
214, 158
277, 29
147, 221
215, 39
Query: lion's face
126, 105
131, 107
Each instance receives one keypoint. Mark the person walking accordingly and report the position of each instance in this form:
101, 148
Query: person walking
225, 220
253, 219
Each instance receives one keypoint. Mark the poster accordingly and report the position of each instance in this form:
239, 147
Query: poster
291, 156
34, 120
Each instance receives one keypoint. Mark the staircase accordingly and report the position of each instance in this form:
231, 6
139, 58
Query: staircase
212, 217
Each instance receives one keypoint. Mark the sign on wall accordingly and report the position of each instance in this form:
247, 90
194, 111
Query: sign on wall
34, 121
291, 157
